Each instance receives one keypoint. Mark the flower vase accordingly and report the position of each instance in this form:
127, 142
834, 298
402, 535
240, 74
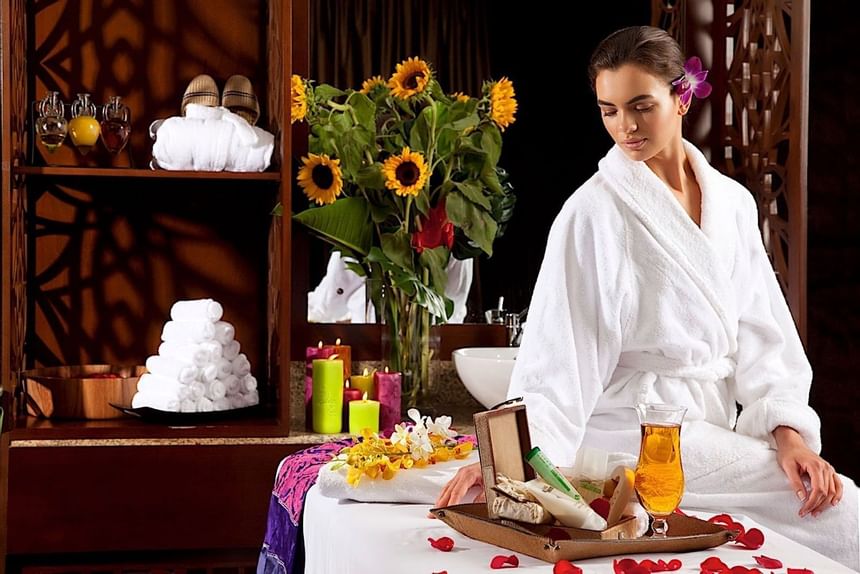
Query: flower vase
408, 344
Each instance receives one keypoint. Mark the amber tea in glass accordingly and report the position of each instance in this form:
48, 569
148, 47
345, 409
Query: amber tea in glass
659, 480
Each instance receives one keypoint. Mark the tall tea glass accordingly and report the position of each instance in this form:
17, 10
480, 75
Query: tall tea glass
659, 475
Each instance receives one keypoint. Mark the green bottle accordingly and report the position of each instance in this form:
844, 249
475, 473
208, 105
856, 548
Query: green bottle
547, 471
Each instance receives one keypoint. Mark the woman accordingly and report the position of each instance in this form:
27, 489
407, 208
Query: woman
655, 287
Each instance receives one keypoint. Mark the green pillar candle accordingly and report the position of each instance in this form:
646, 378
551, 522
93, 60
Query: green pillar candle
327, 398
363, 414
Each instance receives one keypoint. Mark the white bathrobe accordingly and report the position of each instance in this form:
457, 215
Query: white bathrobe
636, 303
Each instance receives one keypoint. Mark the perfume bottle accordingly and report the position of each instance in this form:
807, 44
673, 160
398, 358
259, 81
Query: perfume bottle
51, 126
116, 124
84, 129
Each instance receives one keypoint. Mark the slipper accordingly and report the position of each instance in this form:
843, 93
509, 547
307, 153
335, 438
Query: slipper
239, 98
201, 90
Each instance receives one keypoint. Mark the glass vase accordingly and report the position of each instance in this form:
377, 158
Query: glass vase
408, 344
84, 128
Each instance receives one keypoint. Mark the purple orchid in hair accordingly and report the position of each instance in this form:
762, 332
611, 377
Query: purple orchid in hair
692, 82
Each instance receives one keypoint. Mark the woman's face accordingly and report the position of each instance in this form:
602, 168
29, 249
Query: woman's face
639, 111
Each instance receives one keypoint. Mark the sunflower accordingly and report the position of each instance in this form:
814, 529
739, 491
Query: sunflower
410, 78
503, 105
298, 99
320, 178
405, 173
371, 84
459, 97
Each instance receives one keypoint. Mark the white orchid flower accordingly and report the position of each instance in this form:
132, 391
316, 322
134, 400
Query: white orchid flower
400, 435
441, 427
422, 448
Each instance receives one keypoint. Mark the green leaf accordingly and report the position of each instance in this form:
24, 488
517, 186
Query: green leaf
344, 223
436, 261
278, 210
477, 224
445, 142
370, 177
365, 111
491, 178
325, 92
419, 135
397, 248
491, 143
422, 202
474, 191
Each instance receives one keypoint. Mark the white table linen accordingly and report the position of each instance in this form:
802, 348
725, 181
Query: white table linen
343, 537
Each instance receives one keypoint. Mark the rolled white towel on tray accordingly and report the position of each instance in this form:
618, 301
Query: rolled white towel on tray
231, 350
158, 402
213, 349
209, 373
205, 405
149, 383
224, 332
196, 310
198, 389
188, 331
222, 404
215, 390
184, 352
171, 368
224, 366
241, 365
249, 383
252, 398
232, 383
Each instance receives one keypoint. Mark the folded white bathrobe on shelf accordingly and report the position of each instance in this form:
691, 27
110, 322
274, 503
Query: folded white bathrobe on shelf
636, 303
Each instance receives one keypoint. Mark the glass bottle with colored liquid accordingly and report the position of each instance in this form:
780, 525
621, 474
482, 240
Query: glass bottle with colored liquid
51, 125
659, 480
84, 128
115, 125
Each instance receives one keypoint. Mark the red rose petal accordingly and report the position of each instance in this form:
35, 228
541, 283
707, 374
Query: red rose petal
751, 539
499, 562
674, 564
799, 571
767, 562
681, 512
565, 567
624, 565
649, 564
442, 572
713, 565
444, 544
726, 521
601, 507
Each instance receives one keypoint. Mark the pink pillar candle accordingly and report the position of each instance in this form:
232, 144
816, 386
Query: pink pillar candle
388, 393
311, 353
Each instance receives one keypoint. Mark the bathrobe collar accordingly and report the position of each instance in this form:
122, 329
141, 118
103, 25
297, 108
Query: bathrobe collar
706, 253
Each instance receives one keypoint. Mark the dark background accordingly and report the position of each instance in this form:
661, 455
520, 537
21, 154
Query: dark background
558, 138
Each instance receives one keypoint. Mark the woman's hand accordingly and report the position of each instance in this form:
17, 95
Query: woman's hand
466, 477
797, 460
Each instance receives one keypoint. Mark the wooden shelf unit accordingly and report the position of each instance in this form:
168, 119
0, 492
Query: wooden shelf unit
94, 253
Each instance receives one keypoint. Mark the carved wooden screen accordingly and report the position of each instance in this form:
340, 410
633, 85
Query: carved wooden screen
759, 115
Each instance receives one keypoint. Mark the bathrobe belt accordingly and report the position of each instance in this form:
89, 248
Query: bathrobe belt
656, 366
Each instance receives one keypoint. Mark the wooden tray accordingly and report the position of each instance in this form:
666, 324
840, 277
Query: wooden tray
546, 542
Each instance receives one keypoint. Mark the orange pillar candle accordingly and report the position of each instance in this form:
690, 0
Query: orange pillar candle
344, 353
363, 414
327, 400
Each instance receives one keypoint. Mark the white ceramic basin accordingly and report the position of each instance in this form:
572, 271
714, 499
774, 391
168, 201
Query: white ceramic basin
486, 372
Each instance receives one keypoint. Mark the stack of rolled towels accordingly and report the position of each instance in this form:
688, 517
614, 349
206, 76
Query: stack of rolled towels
199, 366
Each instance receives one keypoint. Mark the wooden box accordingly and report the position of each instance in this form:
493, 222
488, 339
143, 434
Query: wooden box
81, 391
